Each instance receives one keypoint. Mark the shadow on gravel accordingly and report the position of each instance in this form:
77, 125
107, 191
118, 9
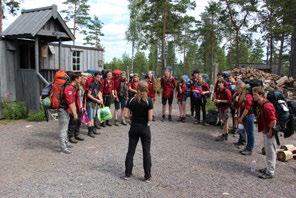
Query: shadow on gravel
110, 167
41, 141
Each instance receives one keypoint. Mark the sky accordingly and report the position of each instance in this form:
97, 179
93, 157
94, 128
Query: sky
113, 13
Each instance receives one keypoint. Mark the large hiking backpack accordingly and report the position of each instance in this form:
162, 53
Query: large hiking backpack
291, 123
212, 117
279, 102
57, 90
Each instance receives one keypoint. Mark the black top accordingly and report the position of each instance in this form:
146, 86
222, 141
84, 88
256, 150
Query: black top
94, 88
139, 111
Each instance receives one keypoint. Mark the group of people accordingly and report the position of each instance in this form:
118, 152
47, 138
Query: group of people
233, 98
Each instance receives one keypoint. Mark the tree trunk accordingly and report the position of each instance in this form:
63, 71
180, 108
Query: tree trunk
74, 22
281, 55
293, 52
1, 16
163, 42
271, 51
237, 48
133, 53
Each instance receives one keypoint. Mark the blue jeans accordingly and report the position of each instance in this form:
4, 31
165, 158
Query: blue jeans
91, 109
249, 128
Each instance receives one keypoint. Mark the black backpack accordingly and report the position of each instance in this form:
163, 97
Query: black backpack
212, 117
291, 123
278, 100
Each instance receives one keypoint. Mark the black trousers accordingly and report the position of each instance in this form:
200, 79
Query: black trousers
74, 126
136, 133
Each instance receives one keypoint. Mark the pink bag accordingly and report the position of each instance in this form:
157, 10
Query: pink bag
84, 118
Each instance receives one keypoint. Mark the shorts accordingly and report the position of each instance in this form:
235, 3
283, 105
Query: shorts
120, 104
181, 100
164, 100
107, 100
232, 110
225, 114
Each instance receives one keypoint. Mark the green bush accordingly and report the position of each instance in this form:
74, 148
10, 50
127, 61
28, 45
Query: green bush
38, 116
211, 106
14, 110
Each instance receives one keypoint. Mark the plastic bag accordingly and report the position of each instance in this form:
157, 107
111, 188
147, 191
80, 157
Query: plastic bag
84, 118
104, 114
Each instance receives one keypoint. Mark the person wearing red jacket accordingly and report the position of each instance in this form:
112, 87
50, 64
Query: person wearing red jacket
205, 91
168, 84
151, 88
181, 98
133, 86
266, 123
223, 100
72, 99
108, 92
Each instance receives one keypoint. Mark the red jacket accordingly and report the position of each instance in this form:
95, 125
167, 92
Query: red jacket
71, 95
168, 86
224, 94
267, 114
181, 93
151, 90
247, 104
108, 87
133, 85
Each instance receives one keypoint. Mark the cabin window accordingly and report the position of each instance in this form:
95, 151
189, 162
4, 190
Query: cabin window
76, 60
27, 56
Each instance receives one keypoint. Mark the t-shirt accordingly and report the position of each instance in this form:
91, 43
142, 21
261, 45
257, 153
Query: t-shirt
182, 94
139, 110
94, 88
266, 115
151, 90
246, 104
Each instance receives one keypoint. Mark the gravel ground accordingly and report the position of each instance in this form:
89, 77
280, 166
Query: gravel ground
186, 162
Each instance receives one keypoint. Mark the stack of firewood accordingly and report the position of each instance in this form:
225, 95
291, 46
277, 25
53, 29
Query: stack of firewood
270, 81
286, 153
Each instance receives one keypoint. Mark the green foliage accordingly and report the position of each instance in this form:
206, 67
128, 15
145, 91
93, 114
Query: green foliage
38, 116
257, 52
140, 63
14, 110
211, 106
93, 32
77, 12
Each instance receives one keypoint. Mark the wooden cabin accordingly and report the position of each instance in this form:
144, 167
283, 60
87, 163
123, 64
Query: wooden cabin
32, 49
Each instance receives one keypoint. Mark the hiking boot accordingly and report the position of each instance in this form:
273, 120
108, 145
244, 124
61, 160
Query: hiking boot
196, 122
246, 152
104, 124
123, 123
97, 125
94, 130
183, 119
180, 119
66, 151
90, 132
262, 170
72, 140
108, 123
147, 180
116, 123
79, 138
238, 144
69, 145
170, 118
153, 118
223, 137
163, 118
265, 176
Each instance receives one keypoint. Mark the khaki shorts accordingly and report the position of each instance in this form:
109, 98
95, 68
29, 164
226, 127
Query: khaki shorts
225, 114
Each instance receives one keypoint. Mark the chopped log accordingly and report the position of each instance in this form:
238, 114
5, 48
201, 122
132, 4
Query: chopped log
282, 80
285, 156
288, 147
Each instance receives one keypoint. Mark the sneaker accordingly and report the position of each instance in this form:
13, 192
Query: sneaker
116, 123
69, 145
66, 151
180, 119
262, 170
79, 138
246, 152
125, 178
220, 138
183, 119
238, 144
124, 123
196, 122
91, 135
108, 124
73, 141
265, 176
153, 118
147, 180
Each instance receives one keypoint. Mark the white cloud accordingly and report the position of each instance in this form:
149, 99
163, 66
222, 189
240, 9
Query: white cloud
113, 13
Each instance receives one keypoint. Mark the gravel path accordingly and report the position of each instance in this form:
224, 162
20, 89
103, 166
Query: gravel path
186, 162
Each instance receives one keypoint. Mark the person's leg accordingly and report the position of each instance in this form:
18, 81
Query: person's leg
71, 129
133, 140
164, 102
63, 127
198, 106
180, 110
270, 149
77, 129
123, 104
108, 104
170, 101
116, 111
191, 105
249, 128
146, 144
203, 106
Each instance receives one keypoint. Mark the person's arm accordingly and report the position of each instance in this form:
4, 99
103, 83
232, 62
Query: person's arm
92, 98
126, 112
271, 125
150, 115
73, 109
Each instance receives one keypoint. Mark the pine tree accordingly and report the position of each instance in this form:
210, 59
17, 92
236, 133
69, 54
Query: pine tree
93, 32
10, 6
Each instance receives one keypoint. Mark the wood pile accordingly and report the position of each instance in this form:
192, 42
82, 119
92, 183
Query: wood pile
270, 81
286, 153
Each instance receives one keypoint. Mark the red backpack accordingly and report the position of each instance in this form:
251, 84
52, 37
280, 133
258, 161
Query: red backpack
57, 90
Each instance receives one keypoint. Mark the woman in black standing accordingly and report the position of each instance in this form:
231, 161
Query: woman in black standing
141, 109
